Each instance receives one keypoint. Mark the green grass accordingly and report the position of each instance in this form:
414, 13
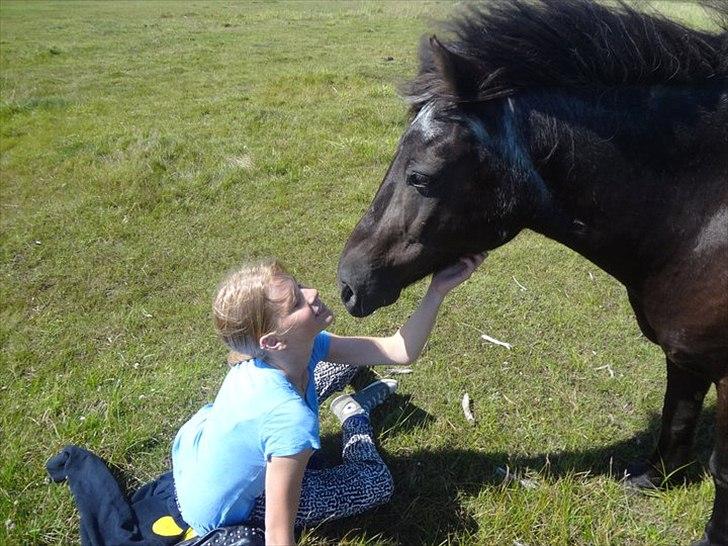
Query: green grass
146, 148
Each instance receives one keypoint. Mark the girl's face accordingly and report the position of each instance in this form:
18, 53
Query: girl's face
304, 315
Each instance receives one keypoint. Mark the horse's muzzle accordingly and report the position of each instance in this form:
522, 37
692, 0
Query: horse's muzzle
362, 299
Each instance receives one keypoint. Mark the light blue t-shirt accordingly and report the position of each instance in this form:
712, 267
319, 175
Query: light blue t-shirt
219, 455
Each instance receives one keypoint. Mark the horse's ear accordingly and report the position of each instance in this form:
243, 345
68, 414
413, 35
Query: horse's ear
460, 74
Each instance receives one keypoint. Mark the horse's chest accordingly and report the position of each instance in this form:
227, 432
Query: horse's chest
686, 306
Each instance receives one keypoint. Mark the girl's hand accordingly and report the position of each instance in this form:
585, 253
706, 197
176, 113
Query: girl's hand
446, 279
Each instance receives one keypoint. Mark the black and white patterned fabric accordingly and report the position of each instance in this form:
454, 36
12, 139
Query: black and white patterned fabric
330, 377
238, 535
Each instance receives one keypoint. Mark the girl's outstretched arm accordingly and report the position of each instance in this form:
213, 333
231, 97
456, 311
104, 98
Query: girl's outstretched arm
406, 344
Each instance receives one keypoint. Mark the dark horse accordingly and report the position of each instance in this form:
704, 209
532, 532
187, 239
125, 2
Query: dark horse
603, 128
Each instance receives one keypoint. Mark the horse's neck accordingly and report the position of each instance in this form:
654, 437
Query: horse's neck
614, 171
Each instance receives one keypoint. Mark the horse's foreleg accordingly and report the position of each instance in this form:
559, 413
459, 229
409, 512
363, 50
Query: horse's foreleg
716, 532
684, 396
680, 412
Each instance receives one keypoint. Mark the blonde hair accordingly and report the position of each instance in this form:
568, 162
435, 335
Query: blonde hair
244, 309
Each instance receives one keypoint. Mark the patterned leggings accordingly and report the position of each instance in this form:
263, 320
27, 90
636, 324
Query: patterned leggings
361, 482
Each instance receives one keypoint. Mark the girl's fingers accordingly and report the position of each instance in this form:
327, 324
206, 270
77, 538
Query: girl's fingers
469, 267
477, 259
471, 263
463, 268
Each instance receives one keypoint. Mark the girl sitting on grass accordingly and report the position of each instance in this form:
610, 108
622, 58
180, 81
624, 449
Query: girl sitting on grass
242, 459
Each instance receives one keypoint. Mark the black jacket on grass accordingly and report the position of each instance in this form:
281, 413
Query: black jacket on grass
149, 518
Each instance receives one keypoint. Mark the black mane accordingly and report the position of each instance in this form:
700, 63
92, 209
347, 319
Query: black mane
519, 44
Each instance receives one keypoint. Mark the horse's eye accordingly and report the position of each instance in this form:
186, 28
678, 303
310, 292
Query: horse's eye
421, 182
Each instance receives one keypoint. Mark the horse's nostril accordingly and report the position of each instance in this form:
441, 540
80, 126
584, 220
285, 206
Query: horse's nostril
347, 294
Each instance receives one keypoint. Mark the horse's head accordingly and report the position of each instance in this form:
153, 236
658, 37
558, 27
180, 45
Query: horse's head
448, 190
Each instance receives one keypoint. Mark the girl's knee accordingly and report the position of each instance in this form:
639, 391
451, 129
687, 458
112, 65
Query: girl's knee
388, 485
381, 484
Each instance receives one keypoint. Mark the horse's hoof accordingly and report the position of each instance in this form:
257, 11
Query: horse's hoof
641, 476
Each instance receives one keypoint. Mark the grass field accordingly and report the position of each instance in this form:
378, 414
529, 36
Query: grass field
146, 148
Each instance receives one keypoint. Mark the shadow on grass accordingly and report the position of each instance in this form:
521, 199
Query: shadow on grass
613, 459
425, 508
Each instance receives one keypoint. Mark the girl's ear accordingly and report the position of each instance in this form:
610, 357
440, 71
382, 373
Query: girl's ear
271, 342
